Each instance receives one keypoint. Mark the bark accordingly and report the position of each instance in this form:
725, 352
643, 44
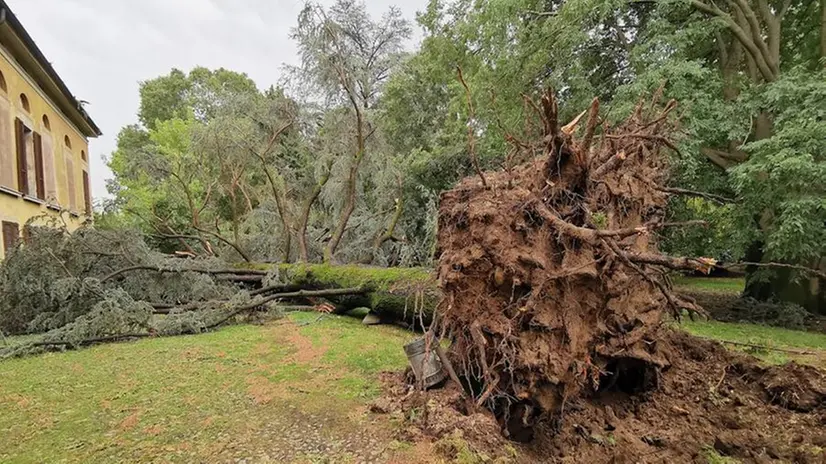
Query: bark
742, 34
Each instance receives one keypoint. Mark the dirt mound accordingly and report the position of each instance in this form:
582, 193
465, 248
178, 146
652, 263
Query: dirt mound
710, 402
555, 297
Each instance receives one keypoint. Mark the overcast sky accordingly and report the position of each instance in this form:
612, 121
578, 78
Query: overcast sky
103, 48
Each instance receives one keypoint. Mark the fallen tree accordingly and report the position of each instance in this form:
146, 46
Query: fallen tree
553, 284
555, 297
407, 295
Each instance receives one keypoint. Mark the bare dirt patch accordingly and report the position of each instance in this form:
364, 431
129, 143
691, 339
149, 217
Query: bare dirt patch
306, 352
260, 389
130, 421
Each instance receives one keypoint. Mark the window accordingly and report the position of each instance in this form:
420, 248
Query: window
11, 236
3, 86
30, 177
83, 155
87, 194
68, 142
46, 124
24, 102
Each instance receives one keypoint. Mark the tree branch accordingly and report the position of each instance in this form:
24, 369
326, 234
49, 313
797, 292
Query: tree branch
757, 33
228, 242
708, 196
741, 35
796, 267
471, 120
146, 267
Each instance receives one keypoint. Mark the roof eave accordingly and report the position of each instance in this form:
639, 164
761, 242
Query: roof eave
48, 76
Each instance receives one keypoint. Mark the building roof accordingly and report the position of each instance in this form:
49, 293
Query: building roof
15, 38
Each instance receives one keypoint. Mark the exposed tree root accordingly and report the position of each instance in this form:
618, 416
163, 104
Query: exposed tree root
553, 285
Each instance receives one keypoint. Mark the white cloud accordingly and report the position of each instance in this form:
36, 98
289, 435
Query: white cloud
103, 48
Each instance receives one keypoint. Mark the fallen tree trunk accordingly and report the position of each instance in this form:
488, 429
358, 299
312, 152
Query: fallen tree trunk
299, 294
408, 295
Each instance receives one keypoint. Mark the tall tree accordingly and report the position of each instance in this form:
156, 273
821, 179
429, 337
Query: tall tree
347, 56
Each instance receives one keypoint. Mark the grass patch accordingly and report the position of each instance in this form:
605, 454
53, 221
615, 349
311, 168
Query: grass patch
756, 334
731, 285
772, 337
713, 457
190, 398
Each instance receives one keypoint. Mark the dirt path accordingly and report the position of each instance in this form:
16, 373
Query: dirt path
311, 424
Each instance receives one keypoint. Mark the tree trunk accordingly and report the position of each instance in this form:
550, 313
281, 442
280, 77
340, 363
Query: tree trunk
784, 285
352, 184
281, 204
407, 295
305, 216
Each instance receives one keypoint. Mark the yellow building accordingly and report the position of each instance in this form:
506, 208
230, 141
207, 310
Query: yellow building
44, 132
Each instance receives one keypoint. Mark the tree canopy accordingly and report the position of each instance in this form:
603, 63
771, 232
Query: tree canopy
345, 160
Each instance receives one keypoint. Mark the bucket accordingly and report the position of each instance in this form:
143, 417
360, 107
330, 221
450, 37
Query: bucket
426, 368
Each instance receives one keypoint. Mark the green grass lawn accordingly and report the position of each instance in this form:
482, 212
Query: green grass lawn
204, 398
770, 337
711, 284
267, 393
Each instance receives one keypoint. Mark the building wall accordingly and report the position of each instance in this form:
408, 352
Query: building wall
63, 166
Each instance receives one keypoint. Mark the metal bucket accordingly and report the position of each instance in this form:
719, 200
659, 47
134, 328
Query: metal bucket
426, 368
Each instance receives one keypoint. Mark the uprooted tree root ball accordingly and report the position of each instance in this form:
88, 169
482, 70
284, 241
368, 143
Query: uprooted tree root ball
554, 289
552, 280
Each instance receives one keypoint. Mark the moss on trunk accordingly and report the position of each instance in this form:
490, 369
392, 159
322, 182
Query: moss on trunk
395, 294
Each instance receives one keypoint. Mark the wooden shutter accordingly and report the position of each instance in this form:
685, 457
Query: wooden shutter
22, 168
49, 171
87, 195
11, 235
38, 166
8, 176
70, 180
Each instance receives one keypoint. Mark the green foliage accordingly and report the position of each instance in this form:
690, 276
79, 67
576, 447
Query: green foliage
713, 457
204, 157
115, 313
55, 279
178, 95
783, 182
